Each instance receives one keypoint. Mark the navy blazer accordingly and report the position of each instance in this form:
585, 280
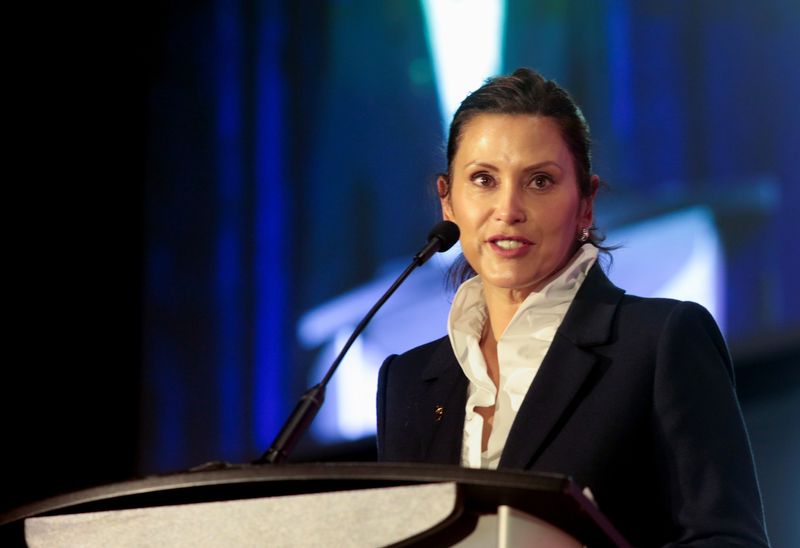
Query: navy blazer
635, 399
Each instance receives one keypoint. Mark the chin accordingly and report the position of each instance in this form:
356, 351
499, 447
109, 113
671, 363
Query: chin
513, 282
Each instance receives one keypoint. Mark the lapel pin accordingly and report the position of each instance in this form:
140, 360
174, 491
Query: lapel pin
438, 413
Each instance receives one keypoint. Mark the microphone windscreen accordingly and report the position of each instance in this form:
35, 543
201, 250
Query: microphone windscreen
446, 232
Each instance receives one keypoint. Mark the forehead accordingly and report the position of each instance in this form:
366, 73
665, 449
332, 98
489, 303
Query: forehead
512, 137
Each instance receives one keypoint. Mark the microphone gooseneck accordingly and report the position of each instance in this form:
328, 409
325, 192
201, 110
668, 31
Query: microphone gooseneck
441, 238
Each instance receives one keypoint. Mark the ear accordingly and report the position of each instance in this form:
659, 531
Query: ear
444, 191
586, 216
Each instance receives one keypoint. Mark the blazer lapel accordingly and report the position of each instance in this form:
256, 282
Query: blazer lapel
442, 407
566, 371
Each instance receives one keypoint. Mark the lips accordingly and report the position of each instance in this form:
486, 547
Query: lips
502, 239
509, 245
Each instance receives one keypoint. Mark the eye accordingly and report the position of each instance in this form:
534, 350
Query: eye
482, 179
541, 181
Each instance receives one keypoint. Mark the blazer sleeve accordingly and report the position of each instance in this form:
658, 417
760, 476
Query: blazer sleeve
380, 401
701, 438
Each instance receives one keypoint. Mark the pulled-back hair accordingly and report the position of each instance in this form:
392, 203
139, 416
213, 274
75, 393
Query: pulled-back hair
525, 92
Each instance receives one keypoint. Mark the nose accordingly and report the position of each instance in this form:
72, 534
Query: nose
509, 208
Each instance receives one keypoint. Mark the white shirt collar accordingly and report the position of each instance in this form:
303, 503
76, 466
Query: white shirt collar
520, 351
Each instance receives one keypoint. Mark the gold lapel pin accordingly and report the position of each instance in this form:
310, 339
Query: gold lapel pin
438, 413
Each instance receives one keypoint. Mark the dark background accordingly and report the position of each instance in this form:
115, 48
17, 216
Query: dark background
75, 174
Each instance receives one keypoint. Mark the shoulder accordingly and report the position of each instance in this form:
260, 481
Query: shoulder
659, 331
426, 350
598, 288
661, 310
602, 312
679, 338
660, 316
415, 362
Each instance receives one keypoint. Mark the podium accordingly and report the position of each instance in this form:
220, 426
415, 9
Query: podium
324, 504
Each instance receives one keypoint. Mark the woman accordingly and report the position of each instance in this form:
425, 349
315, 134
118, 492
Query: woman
547, 365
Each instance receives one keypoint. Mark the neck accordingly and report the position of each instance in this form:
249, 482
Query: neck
501, 305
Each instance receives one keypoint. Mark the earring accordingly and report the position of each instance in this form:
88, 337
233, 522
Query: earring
584, 234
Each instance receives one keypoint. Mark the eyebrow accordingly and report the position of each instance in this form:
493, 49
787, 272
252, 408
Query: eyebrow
533, 167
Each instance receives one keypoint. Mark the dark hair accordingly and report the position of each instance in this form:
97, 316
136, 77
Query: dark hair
525, 92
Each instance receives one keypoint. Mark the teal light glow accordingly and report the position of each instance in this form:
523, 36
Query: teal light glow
465, 38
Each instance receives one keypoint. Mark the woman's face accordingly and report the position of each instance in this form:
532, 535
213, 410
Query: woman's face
515, 198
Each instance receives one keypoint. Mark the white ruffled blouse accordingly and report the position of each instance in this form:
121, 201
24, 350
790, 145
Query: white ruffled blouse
520, 351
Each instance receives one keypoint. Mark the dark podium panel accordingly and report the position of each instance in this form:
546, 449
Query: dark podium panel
553, 499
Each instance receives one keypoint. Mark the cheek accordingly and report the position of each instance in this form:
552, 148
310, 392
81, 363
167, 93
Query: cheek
461, 211
559, 223
564, 223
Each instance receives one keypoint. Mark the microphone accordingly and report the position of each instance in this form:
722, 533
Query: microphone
441, 238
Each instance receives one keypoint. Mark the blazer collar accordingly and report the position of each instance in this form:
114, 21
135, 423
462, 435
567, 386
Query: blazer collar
566, 371
560, 381
589, 318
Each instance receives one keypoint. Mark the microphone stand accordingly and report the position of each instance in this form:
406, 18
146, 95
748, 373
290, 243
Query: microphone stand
311, 401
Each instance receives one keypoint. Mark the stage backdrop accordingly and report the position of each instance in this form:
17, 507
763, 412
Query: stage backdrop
292, 152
